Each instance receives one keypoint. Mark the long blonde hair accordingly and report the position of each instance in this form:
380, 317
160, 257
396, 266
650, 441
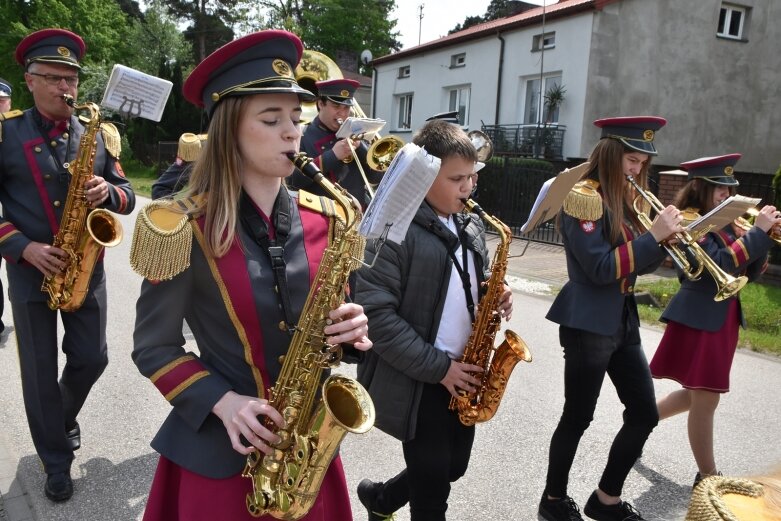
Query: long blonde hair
216, 174
607, 168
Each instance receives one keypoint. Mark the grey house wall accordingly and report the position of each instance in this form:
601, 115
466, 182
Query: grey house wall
662, 57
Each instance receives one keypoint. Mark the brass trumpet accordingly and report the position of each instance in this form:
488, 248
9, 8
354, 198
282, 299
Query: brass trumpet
726, 285
746, 223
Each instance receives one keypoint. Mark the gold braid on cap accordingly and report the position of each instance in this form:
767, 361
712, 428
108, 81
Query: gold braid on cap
707, 503
111, 139
162, 240
583, 201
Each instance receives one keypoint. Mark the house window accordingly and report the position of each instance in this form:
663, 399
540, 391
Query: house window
544, 41
731, 22
404, 114
459, 100
404, 71
458, 60
534, 111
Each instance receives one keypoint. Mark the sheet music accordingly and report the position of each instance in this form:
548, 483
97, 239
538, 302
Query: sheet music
551, 196
402, 189
136, 93
730, 209
364, 127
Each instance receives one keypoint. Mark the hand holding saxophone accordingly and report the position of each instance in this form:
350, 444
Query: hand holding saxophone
241, 417
348, 325
46, 258
506, 303
95, 191
667, 224
459, 380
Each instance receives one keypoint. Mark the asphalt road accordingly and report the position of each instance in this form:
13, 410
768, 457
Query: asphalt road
113, 470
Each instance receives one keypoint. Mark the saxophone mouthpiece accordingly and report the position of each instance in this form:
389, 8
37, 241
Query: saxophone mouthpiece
68, 99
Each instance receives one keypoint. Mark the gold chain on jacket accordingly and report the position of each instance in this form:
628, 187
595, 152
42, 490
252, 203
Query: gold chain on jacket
286, 482
83, 232
497, 363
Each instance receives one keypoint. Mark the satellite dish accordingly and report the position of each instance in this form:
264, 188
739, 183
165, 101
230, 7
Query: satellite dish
366, 56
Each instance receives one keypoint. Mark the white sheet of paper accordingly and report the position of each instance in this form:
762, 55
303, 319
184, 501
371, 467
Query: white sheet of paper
364, 127
402, 189
551, 196
730, 209
136, 93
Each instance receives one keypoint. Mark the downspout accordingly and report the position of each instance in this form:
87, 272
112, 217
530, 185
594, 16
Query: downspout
499, 78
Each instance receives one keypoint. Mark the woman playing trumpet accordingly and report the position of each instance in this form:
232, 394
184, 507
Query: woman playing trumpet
701, 336
607, 247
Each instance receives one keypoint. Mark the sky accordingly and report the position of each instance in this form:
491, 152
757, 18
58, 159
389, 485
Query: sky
439, 17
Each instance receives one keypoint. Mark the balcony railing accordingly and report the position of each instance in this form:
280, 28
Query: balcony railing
527, 140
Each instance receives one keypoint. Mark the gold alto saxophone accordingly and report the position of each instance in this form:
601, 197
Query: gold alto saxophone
83, 232
286, 482
497, 363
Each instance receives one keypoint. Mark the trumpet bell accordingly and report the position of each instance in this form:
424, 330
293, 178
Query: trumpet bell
382, 151
483, 145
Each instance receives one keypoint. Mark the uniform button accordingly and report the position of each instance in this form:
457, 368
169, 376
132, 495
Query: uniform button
66, 165
57, 204
47, 176
282, 326
37, 149
630, 289
65, 135
53, 143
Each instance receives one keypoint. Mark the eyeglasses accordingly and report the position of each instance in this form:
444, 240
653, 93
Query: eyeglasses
54, 79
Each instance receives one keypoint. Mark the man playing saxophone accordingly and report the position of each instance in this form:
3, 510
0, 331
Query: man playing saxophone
421, 299
36, 149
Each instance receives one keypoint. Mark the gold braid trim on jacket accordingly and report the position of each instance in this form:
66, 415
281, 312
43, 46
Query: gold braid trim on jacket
583, 201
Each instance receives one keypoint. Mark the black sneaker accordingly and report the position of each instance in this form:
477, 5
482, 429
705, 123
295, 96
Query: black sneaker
59, 486
563, 509
367, 495
621, 511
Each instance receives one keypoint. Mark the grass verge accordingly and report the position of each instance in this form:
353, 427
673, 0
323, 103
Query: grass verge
140, 176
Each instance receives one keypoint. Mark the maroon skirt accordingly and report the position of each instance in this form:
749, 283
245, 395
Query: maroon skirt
698, 359
178, 494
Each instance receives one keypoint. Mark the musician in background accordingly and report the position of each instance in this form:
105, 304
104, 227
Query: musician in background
606, 248
36, 149
701, 336
239, 271
177, 175
5, 106
333, 156
420, 298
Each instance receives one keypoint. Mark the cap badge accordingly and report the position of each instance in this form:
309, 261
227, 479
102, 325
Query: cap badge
215, 97
281, 67
345, 93
648, 135
728, 170
64, 51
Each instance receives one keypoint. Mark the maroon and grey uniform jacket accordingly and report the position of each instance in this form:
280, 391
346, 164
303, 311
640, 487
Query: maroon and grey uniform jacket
318, 143
34, 182
693, 304
233, 311
601, 275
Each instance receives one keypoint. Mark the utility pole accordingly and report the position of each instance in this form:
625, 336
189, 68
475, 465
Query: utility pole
420, 21
541, 107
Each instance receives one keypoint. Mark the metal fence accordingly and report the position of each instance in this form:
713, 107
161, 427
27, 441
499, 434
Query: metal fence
527, 140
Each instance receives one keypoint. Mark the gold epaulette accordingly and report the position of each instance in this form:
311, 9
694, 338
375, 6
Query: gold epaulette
8, 115
111, 139
162, 239
584, 201
320, 204
707, 503
690, 215
189, 147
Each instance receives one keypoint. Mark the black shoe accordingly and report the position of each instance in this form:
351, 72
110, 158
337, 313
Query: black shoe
699, 477
59, 486
74, 437
563, 509
367, 495
621, 511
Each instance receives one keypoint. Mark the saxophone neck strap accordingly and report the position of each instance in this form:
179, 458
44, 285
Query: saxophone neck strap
272, 243
463, 267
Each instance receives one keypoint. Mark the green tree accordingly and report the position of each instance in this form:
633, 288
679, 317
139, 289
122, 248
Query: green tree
495, 10
210, 21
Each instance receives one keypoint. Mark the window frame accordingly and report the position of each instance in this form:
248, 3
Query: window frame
730, 10
458, 60
456, 104
539, 101
405, 71
403, 102
538, 41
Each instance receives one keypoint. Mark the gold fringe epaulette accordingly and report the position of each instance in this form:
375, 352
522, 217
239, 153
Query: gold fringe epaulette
189, 147
707, 503
584, 201
320, 204
111, 139
162, 240
8, 115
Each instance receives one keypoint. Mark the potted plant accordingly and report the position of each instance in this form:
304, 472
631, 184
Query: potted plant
554, 97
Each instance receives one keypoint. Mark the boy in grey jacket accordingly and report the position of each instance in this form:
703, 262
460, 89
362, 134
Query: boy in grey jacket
420, 298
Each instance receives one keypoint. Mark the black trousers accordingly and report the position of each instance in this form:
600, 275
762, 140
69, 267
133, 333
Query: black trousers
437, 456
52, 405
588, 357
